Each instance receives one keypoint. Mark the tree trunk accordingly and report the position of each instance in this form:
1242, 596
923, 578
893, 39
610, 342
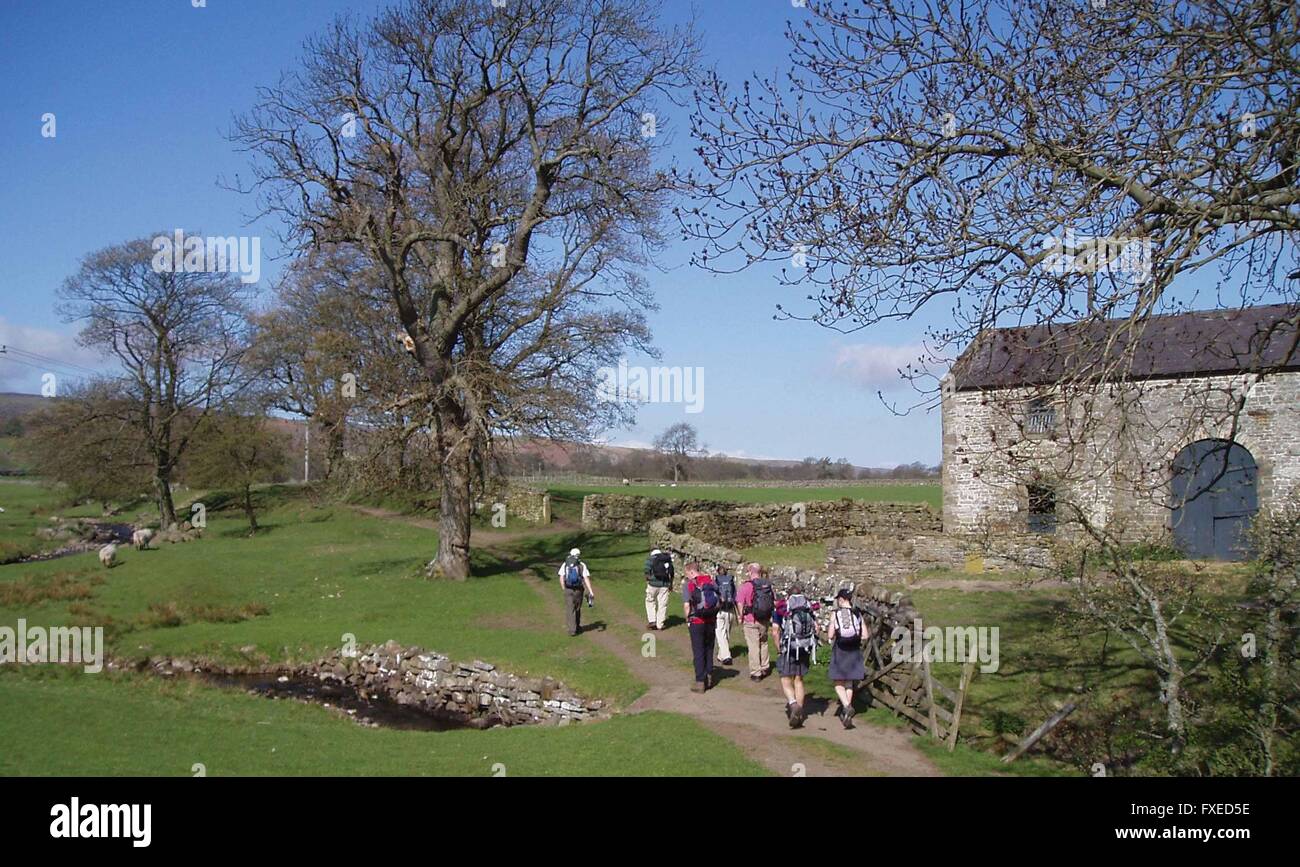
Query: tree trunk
333, 447
453, 516
248, 510
163, 495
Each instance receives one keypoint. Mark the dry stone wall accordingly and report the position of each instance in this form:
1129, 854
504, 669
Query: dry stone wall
522, 503
866, 542
474, 690
628, 513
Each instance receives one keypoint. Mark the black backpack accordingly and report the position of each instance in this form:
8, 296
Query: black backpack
764, 600
661, 567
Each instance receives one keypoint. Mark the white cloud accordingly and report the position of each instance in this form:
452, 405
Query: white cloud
22, 373
872, 365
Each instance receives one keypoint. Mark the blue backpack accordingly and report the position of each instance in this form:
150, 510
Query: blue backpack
572, 573
726, 589
705, 601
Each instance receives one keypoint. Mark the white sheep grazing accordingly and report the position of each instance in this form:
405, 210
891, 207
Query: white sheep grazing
108, 556
140, 539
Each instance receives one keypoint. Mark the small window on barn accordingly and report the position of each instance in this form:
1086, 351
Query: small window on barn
1042, 509
1040, 416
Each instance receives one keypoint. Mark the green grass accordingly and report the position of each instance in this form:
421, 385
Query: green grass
28, 506
810, 555
133, 724
919, 492
320, 573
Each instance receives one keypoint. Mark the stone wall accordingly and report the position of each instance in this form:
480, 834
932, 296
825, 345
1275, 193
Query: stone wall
522, 503
875, 542
474, 690
627, 513
530, 505
797, 523
894, 560
742, 525
1124, 443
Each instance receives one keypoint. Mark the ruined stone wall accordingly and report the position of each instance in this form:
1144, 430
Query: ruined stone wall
742, 525
627, 513
876, 542
522, 503
1115, 454
474, 690
528, 504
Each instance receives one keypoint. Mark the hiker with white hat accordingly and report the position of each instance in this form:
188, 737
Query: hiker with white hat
658, 587
575, 580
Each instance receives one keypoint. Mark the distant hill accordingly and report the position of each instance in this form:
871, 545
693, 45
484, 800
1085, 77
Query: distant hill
15, 405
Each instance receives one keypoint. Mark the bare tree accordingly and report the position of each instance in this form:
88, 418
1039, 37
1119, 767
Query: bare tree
179, 336
314, 348
679, 444
494, 166
1012, 162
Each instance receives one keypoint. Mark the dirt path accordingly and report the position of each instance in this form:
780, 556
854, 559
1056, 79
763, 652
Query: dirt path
752, 715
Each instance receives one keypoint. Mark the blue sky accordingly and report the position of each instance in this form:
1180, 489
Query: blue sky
143, 92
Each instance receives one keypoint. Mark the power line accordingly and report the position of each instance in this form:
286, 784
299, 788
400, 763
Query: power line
44, 368
6, 349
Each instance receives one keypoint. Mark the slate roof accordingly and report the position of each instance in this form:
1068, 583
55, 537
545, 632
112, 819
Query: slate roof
1196, 343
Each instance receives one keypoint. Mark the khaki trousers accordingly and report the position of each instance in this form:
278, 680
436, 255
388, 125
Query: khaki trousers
756, 640
722, 633
656, 605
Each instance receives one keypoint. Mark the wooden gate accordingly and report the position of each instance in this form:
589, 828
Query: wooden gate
900, 681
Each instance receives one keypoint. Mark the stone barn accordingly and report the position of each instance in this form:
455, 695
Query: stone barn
1173, 432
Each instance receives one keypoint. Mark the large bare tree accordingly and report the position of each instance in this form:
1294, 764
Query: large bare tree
179, 337
495, 167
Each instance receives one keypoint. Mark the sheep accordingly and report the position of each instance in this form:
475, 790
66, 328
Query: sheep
140, 539
108, 556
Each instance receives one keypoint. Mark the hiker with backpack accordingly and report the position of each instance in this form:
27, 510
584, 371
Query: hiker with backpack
796, 649
846, 632
755, 603
658, 586
726, 613
575, 580
701, 607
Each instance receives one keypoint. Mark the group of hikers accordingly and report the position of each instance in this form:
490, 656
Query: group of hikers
713, 604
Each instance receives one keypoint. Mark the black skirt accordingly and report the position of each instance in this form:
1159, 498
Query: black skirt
846, 662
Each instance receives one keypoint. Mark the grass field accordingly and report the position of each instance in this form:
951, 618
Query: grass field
320, 571
919, 492
28, 506
138, 725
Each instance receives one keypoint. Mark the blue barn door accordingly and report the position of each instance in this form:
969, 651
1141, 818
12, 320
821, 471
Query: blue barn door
1213, 499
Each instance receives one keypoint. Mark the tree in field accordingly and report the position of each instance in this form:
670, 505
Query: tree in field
238, 450
310, 346
679, 444
494, 169
85, 441
178, 336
